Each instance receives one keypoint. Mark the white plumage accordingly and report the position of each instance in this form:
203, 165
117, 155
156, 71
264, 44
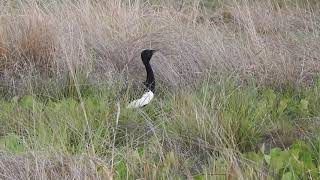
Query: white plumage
144, 100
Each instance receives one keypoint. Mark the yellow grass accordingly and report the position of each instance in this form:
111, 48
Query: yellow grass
251, 39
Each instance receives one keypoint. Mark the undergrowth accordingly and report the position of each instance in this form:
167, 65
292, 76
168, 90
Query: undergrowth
180, 134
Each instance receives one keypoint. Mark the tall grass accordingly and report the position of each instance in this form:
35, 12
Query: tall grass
189, 133
62, 64
253, 39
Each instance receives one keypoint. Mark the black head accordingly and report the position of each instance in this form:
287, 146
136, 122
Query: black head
147, 54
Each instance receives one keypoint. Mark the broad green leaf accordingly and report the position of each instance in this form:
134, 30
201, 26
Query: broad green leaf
275, 152
278, 159
287, 176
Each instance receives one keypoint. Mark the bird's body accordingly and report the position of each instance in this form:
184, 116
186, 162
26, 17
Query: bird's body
144, 100
149, 84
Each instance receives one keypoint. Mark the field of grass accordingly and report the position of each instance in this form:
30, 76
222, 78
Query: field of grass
237, 95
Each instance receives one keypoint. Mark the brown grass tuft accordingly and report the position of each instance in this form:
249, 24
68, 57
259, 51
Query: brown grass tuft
37, 43
4, 52
36, 166
27, 42
250, 39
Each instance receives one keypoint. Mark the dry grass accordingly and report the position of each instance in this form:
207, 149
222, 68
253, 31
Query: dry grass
251, 39
36, 166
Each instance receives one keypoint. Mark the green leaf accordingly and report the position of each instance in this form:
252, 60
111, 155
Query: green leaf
287, 176
278, 159
275, 152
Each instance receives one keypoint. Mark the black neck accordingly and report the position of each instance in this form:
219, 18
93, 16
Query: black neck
149, 83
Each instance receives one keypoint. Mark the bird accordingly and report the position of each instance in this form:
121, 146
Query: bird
149, 84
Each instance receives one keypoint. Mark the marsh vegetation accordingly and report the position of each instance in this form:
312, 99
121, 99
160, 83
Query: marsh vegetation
238, 91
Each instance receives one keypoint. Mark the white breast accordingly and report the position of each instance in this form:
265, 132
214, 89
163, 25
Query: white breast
144, 100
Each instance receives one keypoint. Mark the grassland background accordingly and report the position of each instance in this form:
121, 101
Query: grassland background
232, 77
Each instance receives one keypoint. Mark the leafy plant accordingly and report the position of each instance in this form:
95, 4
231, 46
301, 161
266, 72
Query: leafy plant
296, 162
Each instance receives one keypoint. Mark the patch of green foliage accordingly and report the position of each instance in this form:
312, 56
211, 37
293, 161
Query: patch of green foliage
299, 161
193, 132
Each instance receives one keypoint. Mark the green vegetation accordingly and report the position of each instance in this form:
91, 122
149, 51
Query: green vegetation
189, 133
299, 161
